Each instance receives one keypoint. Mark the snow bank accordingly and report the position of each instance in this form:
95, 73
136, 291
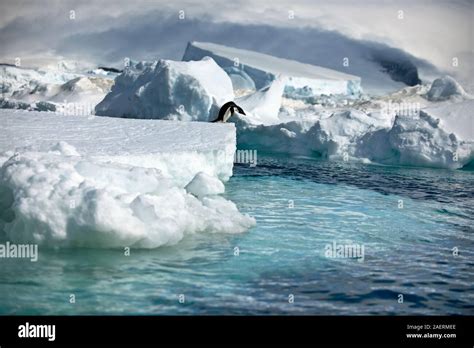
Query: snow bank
113, 182
191, 91
300, 78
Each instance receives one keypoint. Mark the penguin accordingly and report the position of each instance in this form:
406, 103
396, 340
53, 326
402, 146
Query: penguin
227, 110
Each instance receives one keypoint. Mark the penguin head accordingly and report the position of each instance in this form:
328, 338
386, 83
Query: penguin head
235, 108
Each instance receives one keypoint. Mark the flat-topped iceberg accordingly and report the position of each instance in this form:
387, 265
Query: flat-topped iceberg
73, 181
188, 91
301, 80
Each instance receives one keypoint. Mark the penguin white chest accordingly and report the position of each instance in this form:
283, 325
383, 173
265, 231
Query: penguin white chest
227, 115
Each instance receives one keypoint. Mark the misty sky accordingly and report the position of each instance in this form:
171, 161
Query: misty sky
104, 32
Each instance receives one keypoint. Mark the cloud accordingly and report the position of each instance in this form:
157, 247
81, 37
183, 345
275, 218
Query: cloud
106, 30
151, 40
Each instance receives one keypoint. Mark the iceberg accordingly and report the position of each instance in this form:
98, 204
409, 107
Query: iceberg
403, 128
29, 84
6, 103
445, 88
416, 141
83, 89
323, 135
23, 87
441, 137
301, 80
77, 181
186, 91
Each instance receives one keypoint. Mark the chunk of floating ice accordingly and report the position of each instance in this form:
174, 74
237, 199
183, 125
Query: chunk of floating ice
444, 140
73, 201
205, 185
91, 193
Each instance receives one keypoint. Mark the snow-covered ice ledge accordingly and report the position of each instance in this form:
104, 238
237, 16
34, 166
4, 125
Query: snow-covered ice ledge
178, 149
108, 182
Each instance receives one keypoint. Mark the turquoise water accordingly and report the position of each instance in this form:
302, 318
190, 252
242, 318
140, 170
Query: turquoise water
301, 206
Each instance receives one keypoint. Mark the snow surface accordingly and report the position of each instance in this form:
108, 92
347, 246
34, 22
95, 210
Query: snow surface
179, 149
188, 91
103, 182
309, 80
